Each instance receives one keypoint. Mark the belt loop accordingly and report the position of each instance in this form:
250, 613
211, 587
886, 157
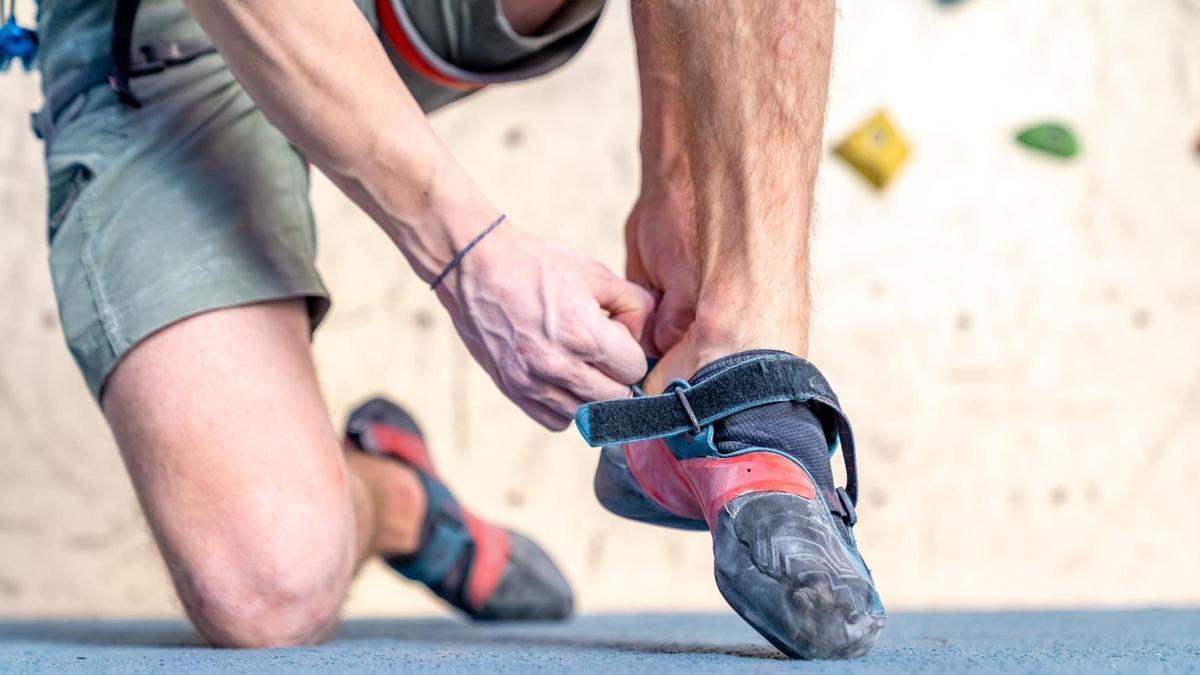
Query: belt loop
42, 125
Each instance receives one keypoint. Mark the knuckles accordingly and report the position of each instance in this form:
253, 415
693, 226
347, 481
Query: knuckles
581, 342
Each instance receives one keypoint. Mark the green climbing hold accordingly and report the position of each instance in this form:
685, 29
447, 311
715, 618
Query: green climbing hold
1050, 138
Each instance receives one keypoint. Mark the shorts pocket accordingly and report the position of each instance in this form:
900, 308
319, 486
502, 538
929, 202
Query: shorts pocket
85, 140
64, 196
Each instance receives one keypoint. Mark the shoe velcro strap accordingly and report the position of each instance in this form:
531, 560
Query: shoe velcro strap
767, 379
759, 381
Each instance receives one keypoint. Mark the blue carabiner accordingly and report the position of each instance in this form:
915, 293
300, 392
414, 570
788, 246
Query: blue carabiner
17, 42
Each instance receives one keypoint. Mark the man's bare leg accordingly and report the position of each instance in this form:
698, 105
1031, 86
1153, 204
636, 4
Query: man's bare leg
526, 16
743, 84
754, 77
225, 434
260, 516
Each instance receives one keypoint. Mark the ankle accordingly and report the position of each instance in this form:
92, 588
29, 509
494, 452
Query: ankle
708, 340
402, 518
399, 501
716, 335
740, 320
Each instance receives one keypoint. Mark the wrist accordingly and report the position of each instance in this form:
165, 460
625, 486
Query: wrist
435, 213
780, 321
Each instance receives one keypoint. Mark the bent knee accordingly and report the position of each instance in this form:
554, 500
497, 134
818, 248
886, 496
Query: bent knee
271, 598
263, 610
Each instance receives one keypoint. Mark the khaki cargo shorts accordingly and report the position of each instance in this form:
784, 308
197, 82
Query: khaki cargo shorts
194, 201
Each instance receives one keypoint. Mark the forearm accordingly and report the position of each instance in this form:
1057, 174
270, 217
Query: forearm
324, 80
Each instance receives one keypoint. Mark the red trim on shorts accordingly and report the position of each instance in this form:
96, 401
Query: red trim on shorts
403, 45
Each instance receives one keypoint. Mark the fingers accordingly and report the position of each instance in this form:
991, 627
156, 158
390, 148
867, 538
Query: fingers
629, 307
673, 315
649, 336
588, 382
543, 399
555, 407
552, 419
552, 387
618, 357
678, 363
625, 301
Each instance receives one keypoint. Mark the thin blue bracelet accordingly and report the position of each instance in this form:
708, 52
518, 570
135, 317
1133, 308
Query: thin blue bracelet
459, 256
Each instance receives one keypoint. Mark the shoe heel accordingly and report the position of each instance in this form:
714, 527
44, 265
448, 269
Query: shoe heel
618, 492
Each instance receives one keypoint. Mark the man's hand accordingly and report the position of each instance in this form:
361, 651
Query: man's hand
660, 255
553, 329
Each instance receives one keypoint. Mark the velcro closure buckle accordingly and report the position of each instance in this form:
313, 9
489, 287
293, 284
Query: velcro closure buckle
687, 409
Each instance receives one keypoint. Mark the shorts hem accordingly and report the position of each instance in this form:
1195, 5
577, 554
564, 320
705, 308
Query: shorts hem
176, 308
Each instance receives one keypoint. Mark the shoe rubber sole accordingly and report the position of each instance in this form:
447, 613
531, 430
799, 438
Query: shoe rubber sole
619, 492
779, 561
781, 564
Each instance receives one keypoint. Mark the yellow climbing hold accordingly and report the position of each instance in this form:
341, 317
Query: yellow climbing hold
875, 149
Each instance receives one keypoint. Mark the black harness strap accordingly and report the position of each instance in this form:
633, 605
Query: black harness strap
124, 17
768, 379
154, 57
124, 63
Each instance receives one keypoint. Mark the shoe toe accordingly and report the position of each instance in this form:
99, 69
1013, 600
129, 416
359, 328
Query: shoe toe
782, 565
531, 588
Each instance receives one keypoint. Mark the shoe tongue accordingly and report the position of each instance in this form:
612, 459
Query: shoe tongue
726, 362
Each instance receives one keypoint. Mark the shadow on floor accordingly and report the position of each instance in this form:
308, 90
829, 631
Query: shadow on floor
151, 634
539, 635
